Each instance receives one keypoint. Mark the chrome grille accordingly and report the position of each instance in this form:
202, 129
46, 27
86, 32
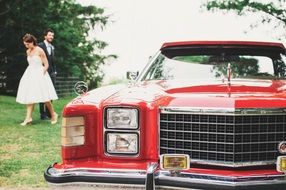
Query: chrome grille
230, 139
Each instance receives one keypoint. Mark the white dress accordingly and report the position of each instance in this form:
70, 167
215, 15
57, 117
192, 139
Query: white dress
35, 86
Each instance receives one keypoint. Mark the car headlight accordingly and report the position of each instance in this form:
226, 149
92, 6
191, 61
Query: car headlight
122, 143
122, 118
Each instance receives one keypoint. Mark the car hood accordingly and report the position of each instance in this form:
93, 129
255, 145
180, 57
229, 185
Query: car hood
217, 94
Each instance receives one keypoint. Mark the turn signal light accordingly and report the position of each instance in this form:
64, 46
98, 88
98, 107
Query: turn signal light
175, 161
72, 132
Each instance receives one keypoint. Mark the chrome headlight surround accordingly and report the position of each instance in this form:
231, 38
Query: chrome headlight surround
119, 143
121, 131
121, 118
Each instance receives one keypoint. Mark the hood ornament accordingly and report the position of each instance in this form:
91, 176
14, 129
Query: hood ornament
228, 79
228, 74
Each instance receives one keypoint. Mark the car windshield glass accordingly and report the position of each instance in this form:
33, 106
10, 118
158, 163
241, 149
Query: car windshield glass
216, 66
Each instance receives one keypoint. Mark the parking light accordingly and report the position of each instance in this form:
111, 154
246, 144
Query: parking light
175, 161
72, 131
281, 164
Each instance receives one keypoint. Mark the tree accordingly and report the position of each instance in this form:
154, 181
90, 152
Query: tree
76, 54
273, 12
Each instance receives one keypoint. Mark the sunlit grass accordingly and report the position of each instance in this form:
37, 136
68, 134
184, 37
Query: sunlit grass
26, 152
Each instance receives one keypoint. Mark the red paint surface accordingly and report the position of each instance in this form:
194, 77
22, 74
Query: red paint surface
244, 43
148, 97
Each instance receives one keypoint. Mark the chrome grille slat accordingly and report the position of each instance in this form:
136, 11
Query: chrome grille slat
231, 140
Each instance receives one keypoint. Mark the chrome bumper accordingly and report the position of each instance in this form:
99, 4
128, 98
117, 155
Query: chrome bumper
153, 178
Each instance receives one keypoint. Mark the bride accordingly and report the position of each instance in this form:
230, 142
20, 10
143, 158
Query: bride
36, 85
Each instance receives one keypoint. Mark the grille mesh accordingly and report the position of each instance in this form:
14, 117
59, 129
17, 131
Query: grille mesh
231, 140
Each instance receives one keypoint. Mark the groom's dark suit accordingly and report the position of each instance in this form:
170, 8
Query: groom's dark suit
52, 72
50, 57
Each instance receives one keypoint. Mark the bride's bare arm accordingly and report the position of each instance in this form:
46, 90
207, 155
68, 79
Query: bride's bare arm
44, 60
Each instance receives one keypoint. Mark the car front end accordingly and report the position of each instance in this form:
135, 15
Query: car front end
201, 115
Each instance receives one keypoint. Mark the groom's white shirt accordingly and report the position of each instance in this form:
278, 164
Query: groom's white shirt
49, 46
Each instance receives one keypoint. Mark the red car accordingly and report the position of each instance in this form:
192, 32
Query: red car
201, 115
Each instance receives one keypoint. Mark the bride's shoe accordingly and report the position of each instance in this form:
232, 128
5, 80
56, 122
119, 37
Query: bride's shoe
54, 120
26, 122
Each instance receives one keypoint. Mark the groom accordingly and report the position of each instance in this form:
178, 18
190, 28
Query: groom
48, 48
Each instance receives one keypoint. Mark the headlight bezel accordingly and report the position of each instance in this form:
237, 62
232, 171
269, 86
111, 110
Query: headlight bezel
106, 109
121, 153
121, 130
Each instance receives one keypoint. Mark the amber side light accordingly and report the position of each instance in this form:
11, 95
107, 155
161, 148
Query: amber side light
174, 161
281, 164
72, 131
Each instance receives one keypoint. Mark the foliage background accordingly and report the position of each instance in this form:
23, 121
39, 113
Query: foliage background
76, 54
270, 12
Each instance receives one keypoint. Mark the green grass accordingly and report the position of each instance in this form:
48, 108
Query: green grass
26, 152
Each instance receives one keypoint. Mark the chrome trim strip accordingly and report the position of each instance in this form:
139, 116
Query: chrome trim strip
224, 111
93, 186
226, 181
106, 130
226, 178
109, 170
231, 164
182, 176
159, 131
142, 74
95, 172
150, 178
151, 168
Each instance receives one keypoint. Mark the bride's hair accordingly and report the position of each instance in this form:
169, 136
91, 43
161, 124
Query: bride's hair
30, 39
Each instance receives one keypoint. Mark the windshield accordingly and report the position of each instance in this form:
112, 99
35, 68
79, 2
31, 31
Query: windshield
186, 66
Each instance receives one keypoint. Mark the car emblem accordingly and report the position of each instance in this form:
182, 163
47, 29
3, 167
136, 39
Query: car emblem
282, 147
80, 88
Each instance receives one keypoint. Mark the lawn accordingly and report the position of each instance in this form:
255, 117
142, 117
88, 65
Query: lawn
25, 152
